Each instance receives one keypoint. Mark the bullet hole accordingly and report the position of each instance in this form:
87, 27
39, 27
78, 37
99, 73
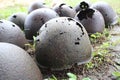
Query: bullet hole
14, 16
78, 38
45, 25
84, 14
84, 5
62, 22
62, 33
1, 22
105, 14
77, 43
42, 20
70, 19
56, 20
90, 13
68, 24
13, 25
80, 27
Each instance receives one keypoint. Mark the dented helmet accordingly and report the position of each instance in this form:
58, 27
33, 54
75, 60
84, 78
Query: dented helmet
91, 19
61, 43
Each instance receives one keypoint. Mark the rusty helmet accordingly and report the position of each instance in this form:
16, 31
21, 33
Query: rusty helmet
61, 43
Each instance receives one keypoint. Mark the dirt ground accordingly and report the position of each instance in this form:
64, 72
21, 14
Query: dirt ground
103, 71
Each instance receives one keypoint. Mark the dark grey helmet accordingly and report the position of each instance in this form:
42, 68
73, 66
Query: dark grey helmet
92, 20
18, 18
61, 43
36, 19
107, 11
64, 10
36, 5
11, 33
16, 64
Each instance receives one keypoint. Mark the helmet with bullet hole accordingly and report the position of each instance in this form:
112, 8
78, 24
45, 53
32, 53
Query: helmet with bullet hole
61, 43
91, 19
18, 18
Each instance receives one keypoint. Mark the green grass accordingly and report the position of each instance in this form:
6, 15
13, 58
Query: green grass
7, 11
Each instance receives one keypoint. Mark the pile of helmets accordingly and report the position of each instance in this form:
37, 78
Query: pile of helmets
61, 37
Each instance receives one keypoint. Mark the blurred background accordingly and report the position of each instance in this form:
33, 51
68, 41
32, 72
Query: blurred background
7, 7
